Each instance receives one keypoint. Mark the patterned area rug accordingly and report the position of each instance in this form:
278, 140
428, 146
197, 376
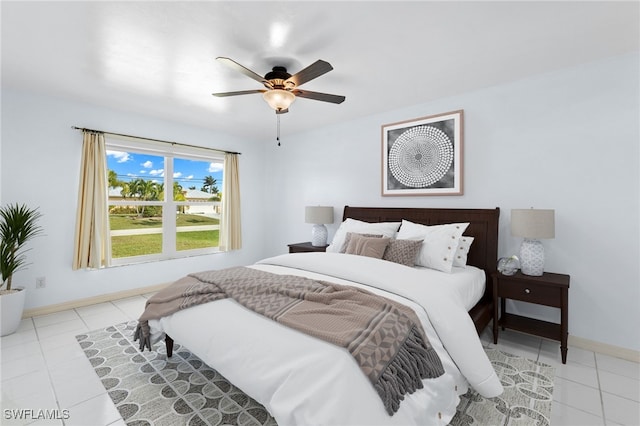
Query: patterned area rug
526, 400
149, 389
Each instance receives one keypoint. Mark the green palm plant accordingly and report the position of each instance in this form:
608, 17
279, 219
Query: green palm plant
18, 225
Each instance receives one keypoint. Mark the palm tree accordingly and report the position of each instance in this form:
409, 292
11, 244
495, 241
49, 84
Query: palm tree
210, 185
143, 190
113, 179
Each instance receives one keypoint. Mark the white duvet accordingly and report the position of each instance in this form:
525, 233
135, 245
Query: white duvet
302, 380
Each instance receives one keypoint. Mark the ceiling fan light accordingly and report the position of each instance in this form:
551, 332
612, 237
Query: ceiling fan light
279, 99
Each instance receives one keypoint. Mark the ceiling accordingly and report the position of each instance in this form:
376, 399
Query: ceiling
158, 58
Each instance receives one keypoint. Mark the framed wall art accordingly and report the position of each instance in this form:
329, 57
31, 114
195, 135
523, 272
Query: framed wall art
423, 156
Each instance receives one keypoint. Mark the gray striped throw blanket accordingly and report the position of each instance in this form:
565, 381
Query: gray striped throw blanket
385, 337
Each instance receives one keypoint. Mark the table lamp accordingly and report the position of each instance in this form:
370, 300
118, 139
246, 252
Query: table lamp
318, 215
532, 225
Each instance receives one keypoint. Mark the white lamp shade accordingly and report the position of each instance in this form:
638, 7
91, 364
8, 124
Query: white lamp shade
318, 214
279, 99
533, 223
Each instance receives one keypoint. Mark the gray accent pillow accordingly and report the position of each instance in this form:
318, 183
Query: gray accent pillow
403, 252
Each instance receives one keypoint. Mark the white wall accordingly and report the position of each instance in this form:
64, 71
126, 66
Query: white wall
40, 167
567, 140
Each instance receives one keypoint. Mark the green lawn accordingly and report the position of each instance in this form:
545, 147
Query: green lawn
138, 245
118, 222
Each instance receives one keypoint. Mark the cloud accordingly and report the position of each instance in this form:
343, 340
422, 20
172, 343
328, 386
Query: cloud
215, 167
147, 164
177, 174
121, 157
188, 177
157, 172
142, 172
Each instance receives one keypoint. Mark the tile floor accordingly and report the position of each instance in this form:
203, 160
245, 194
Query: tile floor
43, 367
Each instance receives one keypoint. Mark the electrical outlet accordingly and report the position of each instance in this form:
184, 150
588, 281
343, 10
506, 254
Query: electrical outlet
41, 282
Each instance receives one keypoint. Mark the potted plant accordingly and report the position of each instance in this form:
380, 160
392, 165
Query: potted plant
18, 225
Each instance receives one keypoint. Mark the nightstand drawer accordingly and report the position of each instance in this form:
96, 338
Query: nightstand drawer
530, 292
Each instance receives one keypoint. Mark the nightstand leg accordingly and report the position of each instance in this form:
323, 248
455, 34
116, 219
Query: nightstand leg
564, 325
563, 351
495, 309
495, 323
503, 308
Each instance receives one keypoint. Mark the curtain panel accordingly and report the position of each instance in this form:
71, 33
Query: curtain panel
92, 243
230, 228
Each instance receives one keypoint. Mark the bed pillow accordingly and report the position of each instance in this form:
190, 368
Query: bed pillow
403, 252
464, 244
439, 245
347, 239
386, 229
367, 246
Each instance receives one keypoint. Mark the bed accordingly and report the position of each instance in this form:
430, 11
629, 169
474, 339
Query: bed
303, 380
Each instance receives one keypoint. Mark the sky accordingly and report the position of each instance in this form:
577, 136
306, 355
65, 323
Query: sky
188, 173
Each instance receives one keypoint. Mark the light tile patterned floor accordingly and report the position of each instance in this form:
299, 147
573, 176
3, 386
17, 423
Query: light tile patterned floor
42, 367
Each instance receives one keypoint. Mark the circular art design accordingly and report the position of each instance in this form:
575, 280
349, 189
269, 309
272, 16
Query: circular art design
421, 156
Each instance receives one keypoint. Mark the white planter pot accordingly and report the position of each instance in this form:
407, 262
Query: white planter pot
11, 307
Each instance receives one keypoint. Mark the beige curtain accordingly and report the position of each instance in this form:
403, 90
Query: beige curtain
92, 242
230, 229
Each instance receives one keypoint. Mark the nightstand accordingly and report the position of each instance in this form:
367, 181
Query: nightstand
305, 247
549, 290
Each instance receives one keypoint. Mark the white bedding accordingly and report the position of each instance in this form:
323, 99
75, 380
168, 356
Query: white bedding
302, 380
467, 282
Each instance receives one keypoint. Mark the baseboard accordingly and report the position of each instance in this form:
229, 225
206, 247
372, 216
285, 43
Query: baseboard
109, 297
604, 348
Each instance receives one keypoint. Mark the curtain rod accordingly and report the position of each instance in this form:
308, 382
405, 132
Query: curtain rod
154, 140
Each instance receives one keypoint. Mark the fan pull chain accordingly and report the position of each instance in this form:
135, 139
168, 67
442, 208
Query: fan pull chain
278, 129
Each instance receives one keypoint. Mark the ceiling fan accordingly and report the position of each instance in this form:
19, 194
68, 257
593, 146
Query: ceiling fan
282, 87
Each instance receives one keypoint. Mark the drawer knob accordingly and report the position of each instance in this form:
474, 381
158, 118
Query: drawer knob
526, 290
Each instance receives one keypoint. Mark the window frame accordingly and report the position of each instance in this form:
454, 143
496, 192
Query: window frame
169, 206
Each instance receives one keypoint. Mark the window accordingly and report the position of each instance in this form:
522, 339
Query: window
147, 221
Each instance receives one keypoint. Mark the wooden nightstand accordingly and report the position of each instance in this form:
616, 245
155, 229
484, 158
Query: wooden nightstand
549, 290
305, 247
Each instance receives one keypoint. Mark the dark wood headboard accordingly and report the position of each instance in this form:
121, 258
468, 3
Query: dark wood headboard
483, 226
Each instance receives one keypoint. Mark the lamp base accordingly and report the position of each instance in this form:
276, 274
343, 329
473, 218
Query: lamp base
319, 235
532, 257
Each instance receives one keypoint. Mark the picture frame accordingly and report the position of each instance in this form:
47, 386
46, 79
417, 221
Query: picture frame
423, 156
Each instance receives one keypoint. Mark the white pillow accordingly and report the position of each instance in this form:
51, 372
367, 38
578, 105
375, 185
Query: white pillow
439, 245
463, 250
386, 229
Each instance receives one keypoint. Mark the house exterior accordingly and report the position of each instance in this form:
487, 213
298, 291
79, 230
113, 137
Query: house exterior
199, 201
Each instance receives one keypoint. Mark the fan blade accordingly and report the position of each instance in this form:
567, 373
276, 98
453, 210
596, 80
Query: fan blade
242, 92
246, 71
325, 97
314, 70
